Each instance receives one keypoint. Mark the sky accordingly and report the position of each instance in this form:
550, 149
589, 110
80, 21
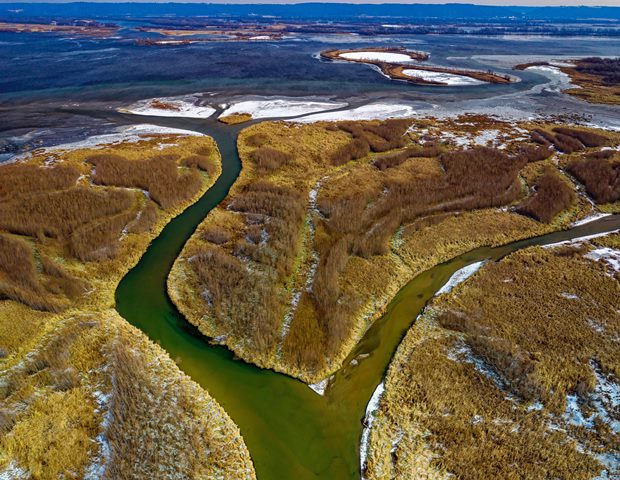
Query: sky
608, 3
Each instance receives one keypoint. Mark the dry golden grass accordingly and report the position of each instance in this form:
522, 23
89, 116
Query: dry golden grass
54, 439
235, 118
52, 200
166, 424
600, 176
552, 196
159, 176
526, 329
598, 79
58, 370
34, 279
327, 221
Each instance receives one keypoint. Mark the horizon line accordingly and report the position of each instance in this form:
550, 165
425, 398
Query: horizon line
480, 3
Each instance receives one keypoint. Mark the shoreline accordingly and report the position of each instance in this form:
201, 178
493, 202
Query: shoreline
180, 290
396, 69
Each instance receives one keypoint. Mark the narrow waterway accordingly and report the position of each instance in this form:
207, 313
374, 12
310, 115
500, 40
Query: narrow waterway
291, 432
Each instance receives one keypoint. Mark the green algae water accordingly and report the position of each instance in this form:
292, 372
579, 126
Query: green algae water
291, 431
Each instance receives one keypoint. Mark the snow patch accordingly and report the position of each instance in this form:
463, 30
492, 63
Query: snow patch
279, 107
570, 296
371, 408
462, 353
609, 256
14, 472
535, 406
604, 401
579, 239
590, 218
156, 107
372, 111
129, 134
596, 326
442, 77
459, 277
558, 79
320, 387
377, 57
96, 469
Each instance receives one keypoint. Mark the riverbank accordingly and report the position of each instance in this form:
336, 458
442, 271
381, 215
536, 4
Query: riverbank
403, 64
594, 79
492, 364
85, 392
295, 277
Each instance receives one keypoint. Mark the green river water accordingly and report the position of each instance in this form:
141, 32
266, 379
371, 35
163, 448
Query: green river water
291, 432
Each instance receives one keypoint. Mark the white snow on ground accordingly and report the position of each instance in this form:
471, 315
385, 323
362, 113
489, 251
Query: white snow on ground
96, 469
569, 296
486, 136
608, 255
132, 134
579, 239
460, 276
14, 472
372, 111
371, 408
261, 37
377, 56
320, 387
458, 140
463, 353
590, 218
447, 78
557, 63
279, 107
603, 401
558, 79
181, 108
483, 138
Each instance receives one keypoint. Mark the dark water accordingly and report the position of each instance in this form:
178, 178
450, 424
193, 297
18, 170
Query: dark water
291, 432
44, 78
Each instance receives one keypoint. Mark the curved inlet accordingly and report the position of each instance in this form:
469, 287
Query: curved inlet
291, 432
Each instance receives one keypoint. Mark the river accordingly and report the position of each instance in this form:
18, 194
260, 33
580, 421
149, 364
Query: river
291, 431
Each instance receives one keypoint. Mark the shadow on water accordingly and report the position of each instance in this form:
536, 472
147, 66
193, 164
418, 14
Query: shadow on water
291, 432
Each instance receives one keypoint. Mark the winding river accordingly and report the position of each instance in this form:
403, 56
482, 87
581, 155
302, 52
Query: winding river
291, 432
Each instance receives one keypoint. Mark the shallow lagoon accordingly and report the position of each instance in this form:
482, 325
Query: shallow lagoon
47, 79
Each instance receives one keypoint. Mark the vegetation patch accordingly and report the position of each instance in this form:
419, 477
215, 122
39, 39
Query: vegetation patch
82, 394
512, 362
328, 220
391, 62
552, 196
597, 79
235, 118
600, 176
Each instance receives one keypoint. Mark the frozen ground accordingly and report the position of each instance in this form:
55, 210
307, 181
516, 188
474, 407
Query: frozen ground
377, 56
370, 111
280, 107
132, 133
177, 107
447, 78
459, 277
371, 408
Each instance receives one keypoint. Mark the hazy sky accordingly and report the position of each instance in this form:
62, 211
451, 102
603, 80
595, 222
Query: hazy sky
609, 3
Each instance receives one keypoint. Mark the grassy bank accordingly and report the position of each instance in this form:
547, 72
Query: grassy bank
515, 362
328, 221
83, 392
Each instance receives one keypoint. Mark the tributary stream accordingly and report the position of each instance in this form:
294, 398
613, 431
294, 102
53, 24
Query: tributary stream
291, 431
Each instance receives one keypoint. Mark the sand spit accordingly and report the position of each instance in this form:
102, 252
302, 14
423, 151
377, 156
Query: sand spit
279, 107
170, 107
